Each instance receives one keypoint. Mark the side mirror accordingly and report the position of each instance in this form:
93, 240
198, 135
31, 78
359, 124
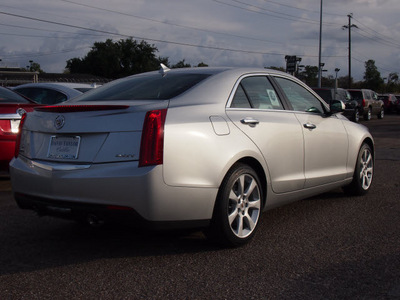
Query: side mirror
336, 106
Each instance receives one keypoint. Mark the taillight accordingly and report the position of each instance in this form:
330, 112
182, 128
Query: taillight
18, 140
152, 143
363, 103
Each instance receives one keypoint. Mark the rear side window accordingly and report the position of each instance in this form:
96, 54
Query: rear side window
146, 87
256, 92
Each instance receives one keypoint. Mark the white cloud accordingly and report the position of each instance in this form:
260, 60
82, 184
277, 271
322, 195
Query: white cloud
285, 27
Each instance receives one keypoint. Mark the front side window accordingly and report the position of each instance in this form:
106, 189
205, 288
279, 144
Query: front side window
256, 92
299, 97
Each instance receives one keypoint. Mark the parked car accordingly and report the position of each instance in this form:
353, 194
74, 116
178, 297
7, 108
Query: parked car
368, 99
52, 93
398, 104
202, 147
353, 108
12, 107
389, 102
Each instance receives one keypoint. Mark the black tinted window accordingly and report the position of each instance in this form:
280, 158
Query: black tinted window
356, 95
146, 87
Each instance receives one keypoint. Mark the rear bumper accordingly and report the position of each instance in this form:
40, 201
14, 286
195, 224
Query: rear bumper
140, 192
97, 214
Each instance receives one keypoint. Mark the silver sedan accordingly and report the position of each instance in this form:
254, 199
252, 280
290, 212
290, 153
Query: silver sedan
189, 148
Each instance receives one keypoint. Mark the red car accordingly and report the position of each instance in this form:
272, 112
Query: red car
12, 107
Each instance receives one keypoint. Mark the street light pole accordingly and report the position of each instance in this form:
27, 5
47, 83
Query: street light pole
320, 43
349, 28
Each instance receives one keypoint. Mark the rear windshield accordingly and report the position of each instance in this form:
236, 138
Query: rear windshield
356, 95
146, 87
7, 96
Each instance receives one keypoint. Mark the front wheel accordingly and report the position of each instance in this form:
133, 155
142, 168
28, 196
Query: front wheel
363, 173
238, 207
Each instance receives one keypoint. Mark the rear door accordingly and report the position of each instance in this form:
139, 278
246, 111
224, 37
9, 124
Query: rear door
256, 109
325, 138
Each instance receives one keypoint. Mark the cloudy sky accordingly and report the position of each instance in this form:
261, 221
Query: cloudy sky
216, 32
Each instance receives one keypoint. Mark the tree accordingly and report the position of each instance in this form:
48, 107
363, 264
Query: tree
309, 75
181, 64
372, 77
202, 64
117, 59
34, 67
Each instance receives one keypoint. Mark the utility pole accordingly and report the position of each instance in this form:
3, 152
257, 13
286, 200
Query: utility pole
320, 43
349, 26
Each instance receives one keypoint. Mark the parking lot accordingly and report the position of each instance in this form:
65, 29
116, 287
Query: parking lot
327, 247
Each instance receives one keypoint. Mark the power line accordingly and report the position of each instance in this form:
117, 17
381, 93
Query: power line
48, 30
302, 9
176, 25
150, 39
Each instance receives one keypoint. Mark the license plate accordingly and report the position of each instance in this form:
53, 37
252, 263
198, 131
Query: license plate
14, 125
64, 147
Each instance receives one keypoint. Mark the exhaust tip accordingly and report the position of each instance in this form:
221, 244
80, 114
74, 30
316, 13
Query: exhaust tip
94, 221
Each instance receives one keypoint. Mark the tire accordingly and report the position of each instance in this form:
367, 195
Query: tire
381, 113
356, 116
368, 115
363, 173
238, 207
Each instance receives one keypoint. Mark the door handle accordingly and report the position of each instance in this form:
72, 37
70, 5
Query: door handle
249, 121
309, 126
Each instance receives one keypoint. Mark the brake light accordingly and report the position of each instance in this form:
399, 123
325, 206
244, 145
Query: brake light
78, 108
152, 143
363, 102
18, 140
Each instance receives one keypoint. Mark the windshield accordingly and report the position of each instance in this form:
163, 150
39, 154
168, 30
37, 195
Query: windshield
146, 87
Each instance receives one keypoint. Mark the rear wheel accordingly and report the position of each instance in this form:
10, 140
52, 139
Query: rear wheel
363, 173
356, 116
238, 207
381, 113
368, 115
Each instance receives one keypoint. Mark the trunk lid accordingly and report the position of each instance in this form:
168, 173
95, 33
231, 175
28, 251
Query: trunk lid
86, 134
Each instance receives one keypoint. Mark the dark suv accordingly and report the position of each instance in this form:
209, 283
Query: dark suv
368, 100
353, 108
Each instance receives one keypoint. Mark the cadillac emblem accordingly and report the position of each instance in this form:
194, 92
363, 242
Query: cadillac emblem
21, 111
59, 122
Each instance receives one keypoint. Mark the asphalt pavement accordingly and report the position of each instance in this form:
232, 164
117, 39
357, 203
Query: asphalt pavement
326, 247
